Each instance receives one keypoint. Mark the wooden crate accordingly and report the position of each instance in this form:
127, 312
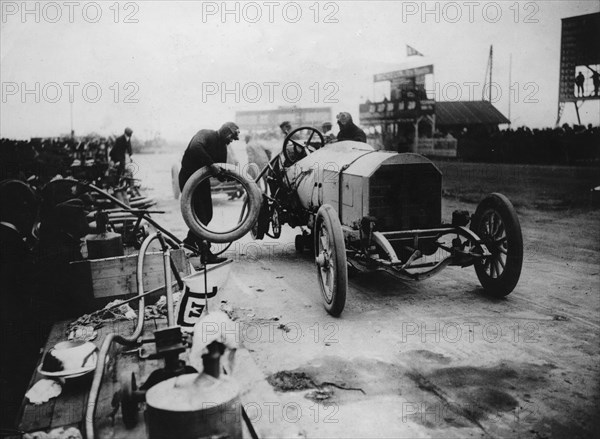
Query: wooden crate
110, 278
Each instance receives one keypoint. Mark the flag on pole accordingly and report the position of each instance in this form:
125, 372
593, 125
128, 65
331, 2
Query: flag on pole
411, 51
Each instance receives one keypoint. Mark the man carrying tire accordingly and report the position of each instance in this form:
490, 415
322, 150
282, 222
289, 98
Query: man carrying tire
206, 148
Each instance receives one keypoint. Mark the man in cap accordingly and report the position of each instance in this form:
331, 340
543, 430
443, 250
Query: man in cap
348, 130
327, 131
122, 146
206, 148
285, 127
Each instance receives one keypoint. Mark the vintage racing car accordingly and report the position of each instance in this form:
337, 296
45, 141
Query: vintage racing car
381, 210
366, 209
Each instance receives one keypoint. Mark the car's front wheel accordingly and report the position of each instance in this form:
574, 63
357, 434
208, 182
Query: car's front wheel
495, 221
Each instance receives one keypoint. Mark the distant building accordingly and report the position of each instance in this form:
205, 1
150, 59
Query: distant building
264, 120
412, 121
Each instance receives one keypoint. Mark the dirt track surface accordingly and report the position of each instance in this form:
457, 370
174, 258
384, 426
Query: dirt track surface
437, 358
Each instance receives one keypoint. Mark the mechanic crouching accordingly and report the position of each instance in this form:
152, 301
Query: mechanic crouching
206, 148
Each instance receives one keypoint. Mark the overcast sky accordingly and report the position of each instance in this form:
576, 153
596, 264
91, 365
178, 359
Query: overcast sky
171, 68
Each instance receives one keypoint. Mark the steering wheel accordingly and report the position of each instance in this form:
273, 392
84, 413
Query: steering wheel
293, 147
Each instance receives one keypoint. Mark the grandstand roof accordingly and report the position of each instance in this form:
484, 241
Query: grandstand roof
467, 113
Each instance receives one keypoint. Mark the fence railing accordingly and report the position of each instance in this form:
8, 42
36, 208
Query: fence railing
437, 147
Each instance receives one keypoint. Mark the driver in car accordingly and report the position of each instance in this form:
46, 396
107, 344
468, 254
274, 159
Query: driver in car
206, 148
348, 130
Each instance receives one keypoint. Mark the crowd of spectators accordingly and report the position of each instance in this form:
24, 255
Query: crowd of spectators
565, 145
44, 158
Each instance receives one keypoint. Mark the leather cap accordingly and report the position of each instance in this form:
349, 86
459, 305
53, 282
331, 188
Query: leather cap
230, 127
344, 118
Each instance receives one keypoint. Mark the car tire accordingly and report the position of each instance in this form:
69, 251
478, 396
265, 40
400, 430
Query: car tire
190, 217
330, 259
496, 223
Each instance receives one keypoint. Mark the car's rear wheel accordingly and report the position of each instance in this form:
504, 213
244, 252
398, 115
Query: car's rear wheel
495, 221
330, 258
261, 226
275, 224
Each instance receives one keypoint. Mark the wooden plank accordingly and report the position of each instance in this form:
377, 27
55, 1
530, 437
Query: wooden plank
39, 417
69, 407
117, 276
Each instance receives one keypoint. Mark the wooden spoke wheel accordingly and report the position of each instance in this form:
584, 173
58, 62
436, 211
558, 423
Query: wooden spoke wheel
495, 221
330, 258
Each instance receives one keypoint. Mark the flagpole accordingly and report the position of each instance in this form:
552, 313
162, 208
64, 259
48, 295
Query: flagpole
509, 84
491, 67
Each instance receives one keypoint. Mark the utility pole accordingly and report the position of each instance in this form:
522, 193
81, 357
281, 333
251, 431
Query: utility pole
72, 131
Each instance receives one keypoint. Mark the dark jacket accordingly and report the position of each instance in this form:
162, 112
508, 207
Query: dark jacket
205, 148
121, 147
16, 267
352, 132
21, 332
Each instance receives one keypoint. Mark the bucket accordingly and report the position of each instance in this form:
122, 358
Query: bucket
217, 276
194, 406
104, 245
193, 300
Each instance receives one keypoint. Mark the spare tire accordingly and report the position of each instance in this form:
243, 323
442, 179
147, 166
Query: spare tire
191, 218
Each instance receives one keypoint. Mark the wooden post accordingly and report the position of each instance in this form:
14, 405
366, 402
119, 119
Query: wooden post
415, 146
